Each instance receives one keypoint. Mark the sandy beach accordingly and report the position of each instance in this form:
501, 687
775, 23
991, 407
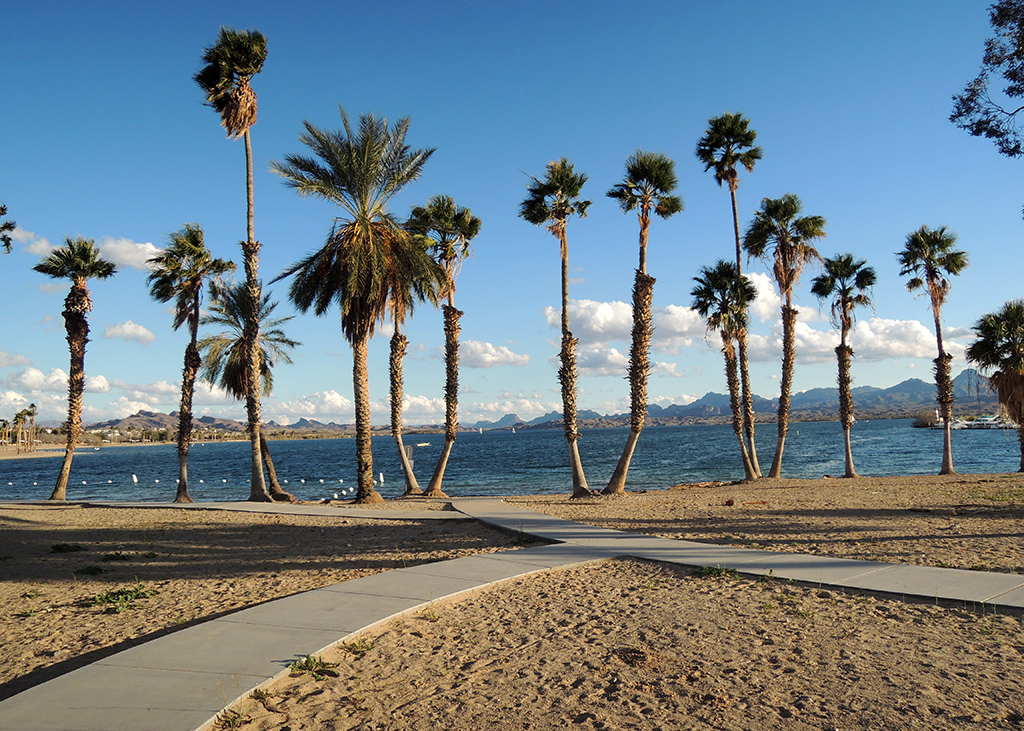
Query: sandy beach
617, 645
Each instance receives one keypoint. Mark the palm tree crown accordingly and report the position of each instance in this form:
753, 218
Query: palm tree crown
447, 228
728, 143
721, 296
779, 225
78, 260
929, 257
179, 272
650, 178
231, 62
848, 280
6, 227
359, 170
224, 362
556, 197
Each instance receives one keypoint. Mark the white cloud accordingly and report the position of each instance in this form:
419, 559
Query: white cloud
9, 359
35, 245
524, 408
96, 384
682, 399
52, 287
675, 327
322, 403
600, 362
126, 252
129, 330
476, 354
11, 401
768, 305
422, 410
33, 379
595, 323
140, 391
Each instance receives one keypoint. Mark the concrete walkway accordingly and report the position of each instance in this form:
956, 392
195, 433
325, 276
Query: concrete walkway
181, 681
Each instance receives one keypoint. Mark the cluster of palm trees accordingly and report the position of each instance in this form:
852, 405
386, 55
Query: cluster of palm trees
21, 430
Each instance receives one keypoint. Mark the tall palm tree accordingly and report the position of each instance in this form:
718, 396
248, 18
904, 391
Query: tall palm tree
230, 64
847, 282
551, 201
414, 277
361, 171
449, 228
727, 143
79, 261
6, 227
224, 354
19, 424
722, 296
649, 182
179, 273
778, 226
32, 411
998, 351
929, 258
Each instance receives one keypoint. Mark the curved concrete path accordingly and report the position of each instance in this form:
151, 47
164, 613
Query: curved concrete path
181, 681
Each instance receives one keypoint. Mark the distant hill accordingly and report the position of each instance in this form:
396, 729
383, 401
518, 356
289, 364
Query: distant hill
904, 400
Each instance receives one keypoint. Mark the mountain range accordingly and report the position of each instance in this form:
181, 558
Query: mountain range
907, 399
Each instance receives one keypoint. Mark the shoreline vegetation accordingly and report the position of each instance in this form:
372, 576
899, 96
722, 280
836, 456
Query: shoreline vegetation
635, 636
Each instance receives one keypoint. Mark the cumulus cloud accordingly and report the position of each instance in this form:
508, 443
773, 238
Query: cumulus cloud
322, 403
33, 379
524, 408
600, 362
97, 384
126, 252
682, 399
35, 245
140, 391
11, 359
129, 330
11, 401
600, 323
422, 410
476, 354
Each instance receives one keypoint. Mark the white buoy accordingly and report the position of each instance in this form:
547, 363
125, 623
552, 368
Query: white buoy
302, 481
286, 482
381, 478
223, 480
36, 483
84, 482
321, 482
335, 496
10, 483
157, 482
135, 479
200, 482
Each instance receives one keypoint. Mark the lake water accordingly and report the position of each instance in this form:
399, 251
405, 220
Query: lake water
502, 463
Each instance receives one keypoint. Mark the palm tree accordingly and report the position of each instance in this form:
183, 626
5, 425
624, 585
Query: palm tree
929, 257
31, 411
359, 170
6, 227
999, 351
224, 354
847, 282
722, 297
778, 225
230, 64
78, 260
449, 228
650, 178
415, 277
551, 201
727, 143
19, 424
179, 273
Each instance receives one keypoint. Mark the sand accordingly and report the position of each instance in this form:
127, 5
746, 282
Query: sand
617, 645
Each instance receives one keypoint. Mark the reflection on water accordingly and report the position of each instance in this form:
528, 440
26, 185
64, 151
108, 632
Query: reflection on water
502, 463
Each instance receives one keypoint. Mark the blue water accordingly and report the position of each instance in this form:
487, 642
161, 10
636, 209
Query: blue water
502, 463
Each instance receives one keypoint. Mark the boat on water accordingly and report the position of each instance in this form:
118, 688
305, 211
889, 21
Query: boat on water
980, 422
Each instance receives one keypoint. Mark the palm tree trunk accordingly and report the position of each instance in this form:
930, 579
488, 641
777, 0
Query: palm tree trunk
748, 403
788, 359
1020, 440
734, 402
843, 353
75, 306
276, 493
567, 379
251, 257
398, 346
567, 375
364, 441
639, 366
188, 379
451, 396
944, 386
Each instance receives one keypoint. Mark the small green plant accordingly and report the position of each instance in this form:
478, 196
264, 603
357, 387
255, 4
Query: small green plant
232, 719
805, 613
715, 572
118, 600
26, 614
359, 648
65, 548
260, 694
34, 594
430, 615
91, 571
314, 665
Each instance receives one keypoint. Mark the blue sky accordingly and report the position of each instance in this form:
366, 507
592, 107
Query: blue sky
106, 136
